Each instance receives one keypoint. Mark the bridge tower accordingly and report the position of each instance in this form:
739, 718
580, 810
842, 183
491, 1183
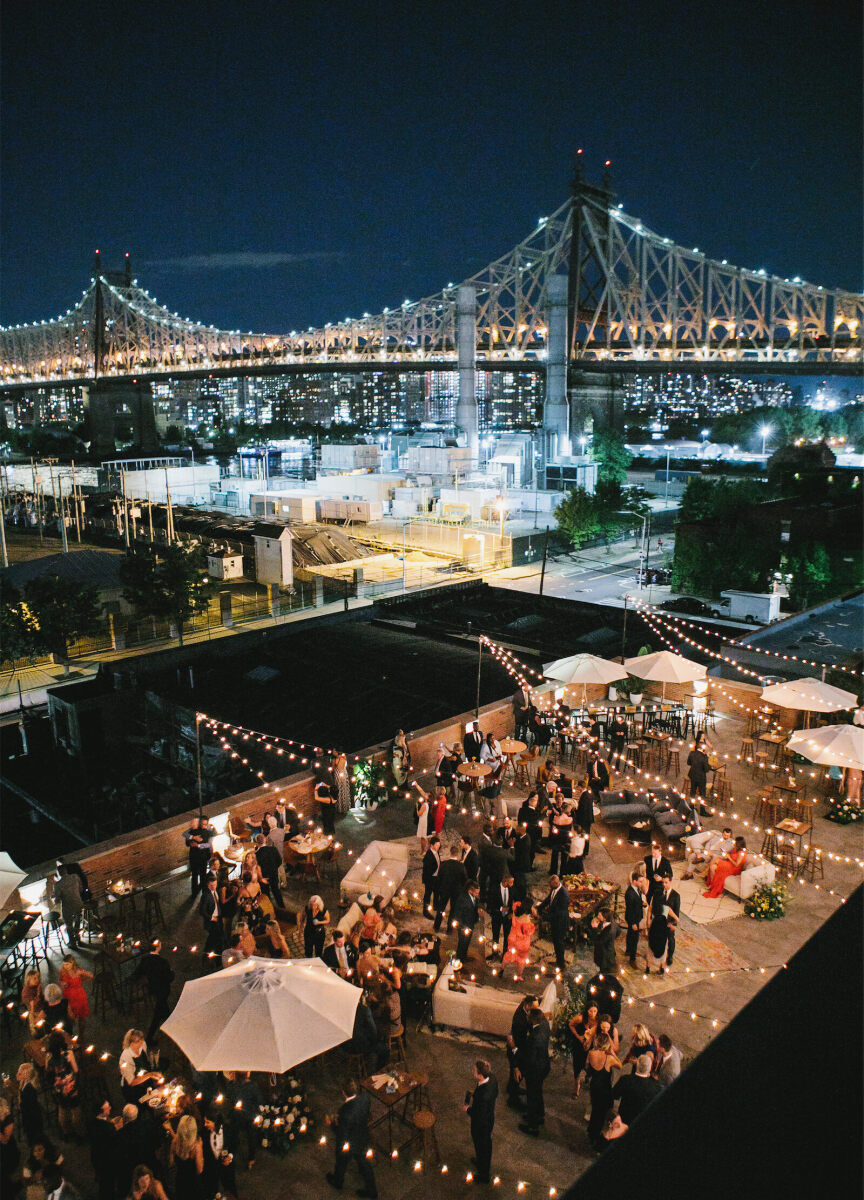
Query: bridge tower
120, 409
466, 350
592, 394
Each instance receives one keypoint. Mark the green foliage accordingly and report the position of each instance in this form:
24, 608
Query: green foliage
62, 610
20, 636
718, 499
812, 575
168, 582
612, 456
369, 782
570, 1006
577, 516
768, 902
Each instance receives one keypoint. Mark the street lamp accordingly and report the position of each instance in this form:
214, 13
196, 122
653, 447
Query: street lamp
666, 496
766, 431
642, 541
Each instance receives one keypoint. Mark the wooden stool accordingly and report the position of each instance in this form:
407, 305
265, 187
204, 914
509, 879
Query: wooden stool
105, 988
633, 753
397, 1041
420, 1093
674, 761
761, 766
812, 863
747, 749
424, 1123
90, 922
785, 859
153, 913
32, 946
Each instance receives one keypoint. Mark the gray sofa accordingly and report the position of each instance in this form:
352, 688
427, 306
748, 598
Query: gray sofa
671, 813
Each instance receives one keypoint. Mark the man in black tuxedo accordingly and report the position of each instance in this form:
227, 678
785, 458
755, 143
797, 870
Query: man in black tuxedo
341, 957
605, 931
286, 818
584, 815
480, 1106
269, 860
657, 868
198, 840
211, 914
464, 912
493, 860
520, 1028
670, 899
352, 1140
451, 881
634, 910
468, 858
431, 867
534, 1065
636, 1091
500, 908
557, 906
522, 852
598, 775
472, 743
158, 975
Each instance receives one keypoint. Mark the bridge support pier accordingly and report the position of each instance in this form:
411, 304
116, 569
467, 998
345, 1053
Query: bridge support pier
466, 349
556, 413
595, 401
121, 410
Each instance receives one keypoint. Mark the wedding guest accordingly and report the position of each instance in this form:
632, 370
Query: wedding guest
715, 845
634, 913
613, 1129
642, 1041
246, 944
665, 912
133, 1064
480, 1106
668, 1064
104, 1149
186, 1156
158, 976
699, 766
534, 1066
429, 875
529, 816
351, 1125
730, 864
451, 882
72, 977
582, 1028
61, 1075
69, 891
145, 1185
28, 1101
275, 945
520, 1028
604, 932
340, 956
601, 1060
33, 1000
198, 841
635, 1092
465, 912
557, 906
316, 918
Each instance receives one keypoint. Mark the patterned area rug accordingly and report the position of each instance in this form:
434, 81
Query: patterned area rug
697, 908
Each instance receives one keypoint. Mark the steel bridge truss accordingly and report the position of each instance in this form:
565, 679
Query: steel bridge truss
634, 296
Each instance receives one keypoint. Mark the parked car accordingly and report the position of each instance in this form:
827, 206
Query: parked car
689, 606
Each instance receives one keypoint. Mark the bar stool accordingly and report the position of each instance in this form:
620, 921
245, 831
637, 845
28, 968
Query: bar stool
673, 762
761, 766
420, 1092
356, 1064
32, 945
812, 863
90, 921
52, 926
424, 1123
152, 913
747, 749
633, 752
396, 1042
105, 993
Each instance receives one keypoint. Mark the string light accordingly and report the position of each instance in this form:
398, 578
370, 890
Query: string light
806, 662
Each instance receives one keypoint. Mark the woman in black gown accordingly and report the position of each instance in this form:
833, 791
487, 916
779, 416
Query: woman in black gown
601, 1060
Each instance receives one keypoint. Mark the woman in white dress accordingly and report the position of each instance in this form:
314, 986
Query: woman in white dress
421, 812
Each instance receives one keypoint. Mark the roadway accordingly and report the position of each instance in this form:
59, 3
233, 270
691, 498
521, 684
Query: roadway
593, 575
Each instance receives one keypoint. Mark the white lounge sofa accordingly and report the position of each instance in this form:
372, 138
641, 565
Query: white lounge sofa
757, 870
482, 1009
379, 870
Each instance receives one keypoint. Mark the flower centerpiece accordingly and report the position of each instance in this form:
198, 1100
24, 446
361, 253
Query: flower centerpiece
768, 902
368, 783
844, 813
287, 1120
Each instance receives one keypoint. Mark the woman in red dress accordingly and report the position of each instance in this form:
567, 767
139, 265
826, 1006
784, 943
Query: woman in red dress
440, 809
730, 864
72, 978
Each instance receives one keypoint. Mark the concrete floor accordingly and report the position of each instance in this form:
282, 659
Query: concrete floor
561, 1152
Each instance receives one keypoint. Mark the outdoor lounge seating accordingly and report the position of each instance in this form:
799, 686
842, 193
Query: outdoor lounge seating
378, 870
757, 870
479, 1008
664, 806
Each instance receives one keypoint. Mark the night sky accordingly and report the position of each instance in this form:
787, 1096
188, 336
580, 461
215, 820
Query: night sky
275, 166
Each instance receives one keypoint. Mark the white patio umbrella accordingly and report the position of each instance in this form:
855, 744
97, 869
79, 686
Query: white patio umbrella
584, 669
263, 1015
665, 667
10, 876
831, 745
809, 695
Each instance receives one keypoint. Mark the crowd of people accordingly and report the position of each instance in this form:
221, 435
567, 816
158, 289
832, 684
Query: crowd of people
466, 878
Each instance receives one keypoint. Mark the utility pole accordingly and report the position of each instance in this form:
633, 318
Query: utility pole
479, 665
36, 499
170, 518
624, 630
150, 515
543, 568
125, 510
198, 762
75, 503
58, 511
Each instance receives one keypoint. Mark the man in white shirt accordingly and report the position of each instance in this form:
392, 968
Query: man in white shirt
702, 850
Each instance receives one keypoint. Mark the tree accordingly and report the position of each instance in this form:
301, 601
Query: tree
577, 516
167, 581
812, 576
19, 630
63, 610
612, 455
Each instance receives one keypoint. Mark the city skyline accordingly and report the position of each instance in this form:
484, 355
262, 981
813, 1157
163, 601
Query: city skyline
292, 202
